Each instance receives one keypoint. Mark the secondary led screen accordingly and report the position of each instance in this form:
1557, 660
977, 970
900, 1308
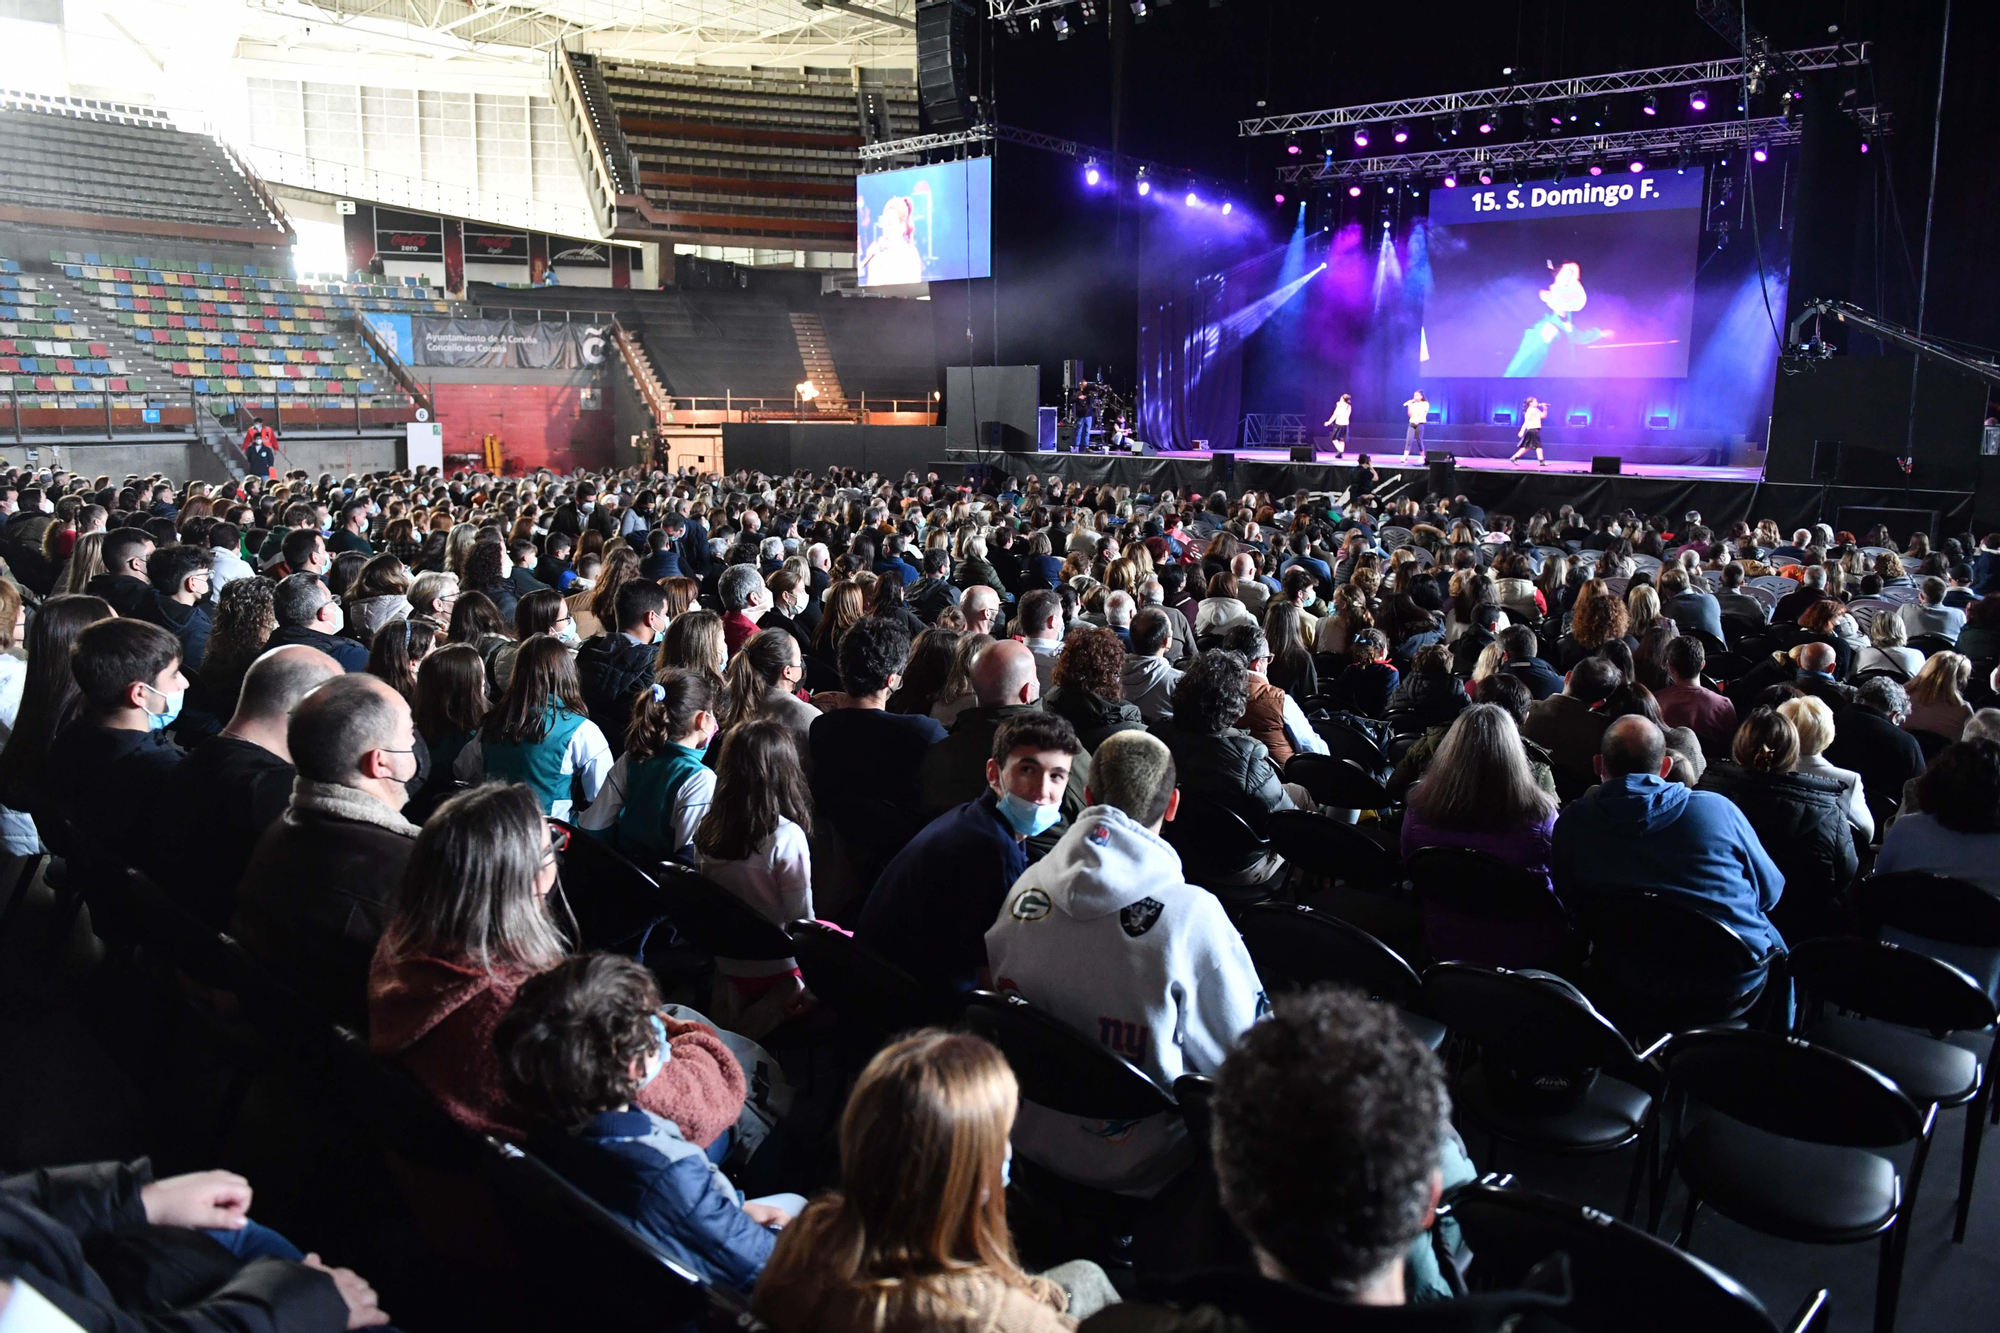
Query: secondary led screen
925, 224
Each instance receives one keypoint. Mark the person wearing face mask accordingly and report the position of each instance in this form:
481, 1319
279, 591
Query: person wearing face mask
469, 925
308, 613
657, 792
930, 910
116, 757
314, 896
578, 1047
614, 666
745, 600
790, 599
1106, 934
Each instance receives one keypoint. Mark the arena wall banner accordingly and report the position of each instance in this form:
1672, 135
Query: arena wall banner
506, 344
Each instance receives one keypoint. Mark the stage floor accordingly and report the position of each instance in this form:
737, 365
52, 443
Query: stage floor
1386, 463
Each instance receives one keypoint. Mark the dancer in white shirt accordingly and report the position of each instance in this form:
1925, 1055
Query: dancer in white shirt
1343, 412
1533, 413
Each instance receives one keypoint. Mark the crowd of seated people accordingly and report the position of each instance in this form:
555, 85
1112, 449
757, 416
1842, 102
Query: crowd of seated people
957, 723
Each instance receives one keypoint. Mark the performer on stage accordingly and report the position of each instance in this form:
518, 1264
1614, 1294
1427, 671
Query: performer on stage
1420, 412
1086, 421
1343, 412
1121, 436
1533, 413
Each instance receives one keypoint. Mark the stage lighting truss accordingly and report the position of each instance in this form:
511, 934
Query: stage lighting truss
1113, 168
1655, 146
1486, 102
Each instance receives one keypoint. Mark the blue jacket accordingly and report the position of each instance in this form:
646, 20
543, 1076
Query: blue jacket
1638, 832
637, 1165
930, 910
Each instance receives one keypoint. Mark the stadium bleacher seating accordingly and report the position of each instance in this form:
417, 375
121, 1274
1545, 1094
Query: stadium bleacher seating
80, 157
763, 155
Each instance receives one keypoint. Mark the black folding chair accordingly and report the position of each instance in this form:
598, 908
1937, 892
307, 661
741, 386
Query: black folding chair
1659, 964
1059, 1068
591, 1268
1339, 783
1319, 848
1622, 1280
716, 921
865, 988
1550, 1073
1346, 741
1798, 1149
1928, 644
1885, 991
1947, 918
1295, 947
620, 907
1480, 887
1216, 844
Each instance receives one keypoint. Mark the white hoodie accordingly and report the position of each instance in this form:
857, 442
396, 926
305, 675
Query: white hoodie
1105, 934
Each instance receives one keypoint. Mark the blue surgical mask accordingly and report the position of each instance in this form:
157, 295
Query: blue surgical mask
1025, 817
161, 721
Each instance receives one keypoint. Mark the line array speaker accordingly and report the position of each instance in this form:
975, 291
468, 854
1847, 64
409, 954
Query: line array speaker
947, 83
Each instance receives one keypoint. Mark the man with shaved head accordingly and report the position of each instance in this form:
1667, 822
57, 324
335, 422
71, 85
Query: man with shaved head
981, 605
315, 895
237, 783
930, 909
1005, 684
1637, 832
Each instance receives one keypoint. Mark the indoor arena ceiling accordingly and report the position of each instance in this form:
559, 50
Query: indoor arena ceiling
835, 33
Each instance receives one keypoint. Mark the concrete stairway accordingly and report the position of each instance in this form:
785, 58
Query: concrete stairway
816, 353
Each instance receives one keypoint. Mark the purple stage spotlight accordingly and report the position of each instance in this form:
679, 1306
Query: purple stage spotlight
1759, 153
1597, 168
1091, 175
1361, 136
1193, 200
1486, 124
1292, 146
1636, 164
1485, 176
1227, 208
1354, 192
1698, 100
1451, 182
1651, 106
1145, 188
1277, 199
1401, 133
1864, 145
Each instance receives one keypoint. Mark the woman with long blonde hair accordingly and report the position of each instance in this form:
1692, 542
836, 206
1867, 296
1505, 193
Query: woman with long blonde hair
916, 1239
86, 562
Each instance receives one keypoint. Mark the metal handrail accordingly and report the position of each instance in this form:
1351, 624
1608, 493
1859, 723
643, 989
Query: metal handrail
392, 364
576, 114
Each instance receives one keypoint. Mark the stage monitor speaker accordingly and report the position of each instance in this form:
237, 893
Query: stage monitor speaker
1303, 453
1005, 437
1605, 465
1225, 467
946, 82
1045, 428
1443, 467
